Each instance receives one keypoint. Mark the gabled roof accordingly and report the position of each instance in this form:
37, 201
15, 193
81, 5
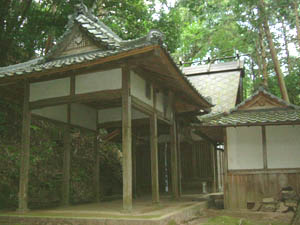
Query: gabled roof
262, 99
262, 108
220, 82
214, 68
97, 31
107, 47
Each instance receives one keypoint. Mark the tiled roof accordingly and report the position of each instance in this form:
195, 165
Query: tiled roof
101, 34
222, 88
285, 113
261, 89
39, 64
213, 68
96, 30
240, 118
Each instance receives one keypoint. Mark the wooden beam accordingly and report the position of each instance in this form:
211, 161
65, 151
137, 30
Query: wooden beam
95, 62
154, 153
147, 109
174, 160
67, 161
126, 140
25, 152
79, 98
205, 137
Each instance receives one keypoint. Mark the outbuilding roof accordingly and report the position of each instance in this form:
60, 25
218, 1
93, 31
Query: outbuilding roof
261, 108
221, 82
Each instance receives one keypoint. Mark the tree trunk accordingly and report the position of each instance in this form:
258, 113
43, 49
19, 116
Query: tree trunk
286, 46
263, 56
295, 4
278, 71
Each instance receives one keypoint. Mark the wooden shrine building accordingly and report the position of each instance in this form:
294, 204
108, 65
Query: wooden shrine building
222, 84
262, 148
91, 79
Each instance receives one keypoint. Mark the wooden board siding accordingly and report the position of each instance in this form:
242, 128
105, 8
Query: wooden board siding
196, 165
254, 186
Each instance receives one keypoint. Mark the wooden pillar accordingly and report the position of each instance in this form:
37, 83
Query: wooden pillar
179, 161
194, 162
134, 183
97, 166
225, 167
25, 152
154, 153
174, 160
67, 161
213, 157
126, 140
264, 144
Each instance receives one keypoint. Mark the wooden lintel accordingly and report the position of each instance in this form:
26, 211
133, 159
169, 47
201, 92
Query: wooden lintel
148, 109
79, 98
141, 106
264, 171
205, 137
60, 123
96, 62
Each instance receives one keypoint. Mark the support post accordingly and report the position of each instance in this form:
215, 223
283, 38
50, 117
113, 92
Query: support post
179, 162
25, 152
194, 162
174, 160
97, 166
213, 157
154, 153
264, 144
67, 161
126, 140
225, 167
134, 188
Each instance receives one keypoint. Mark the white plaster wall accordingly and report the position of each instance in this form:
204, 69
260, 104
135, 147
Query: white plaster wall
83, 116
115, 114
245, 148
160, 101
98, 81
283, 146
58, 113
49, 89
138, 88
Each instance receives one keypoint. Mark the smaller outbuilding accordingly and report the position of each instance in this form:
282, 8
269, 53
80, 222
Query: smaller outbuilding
262, 148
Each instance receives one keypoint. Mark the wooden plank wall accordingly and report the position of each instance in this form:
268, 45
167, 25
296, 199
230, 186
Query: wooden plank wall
143, 172
246, 187
196, 164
